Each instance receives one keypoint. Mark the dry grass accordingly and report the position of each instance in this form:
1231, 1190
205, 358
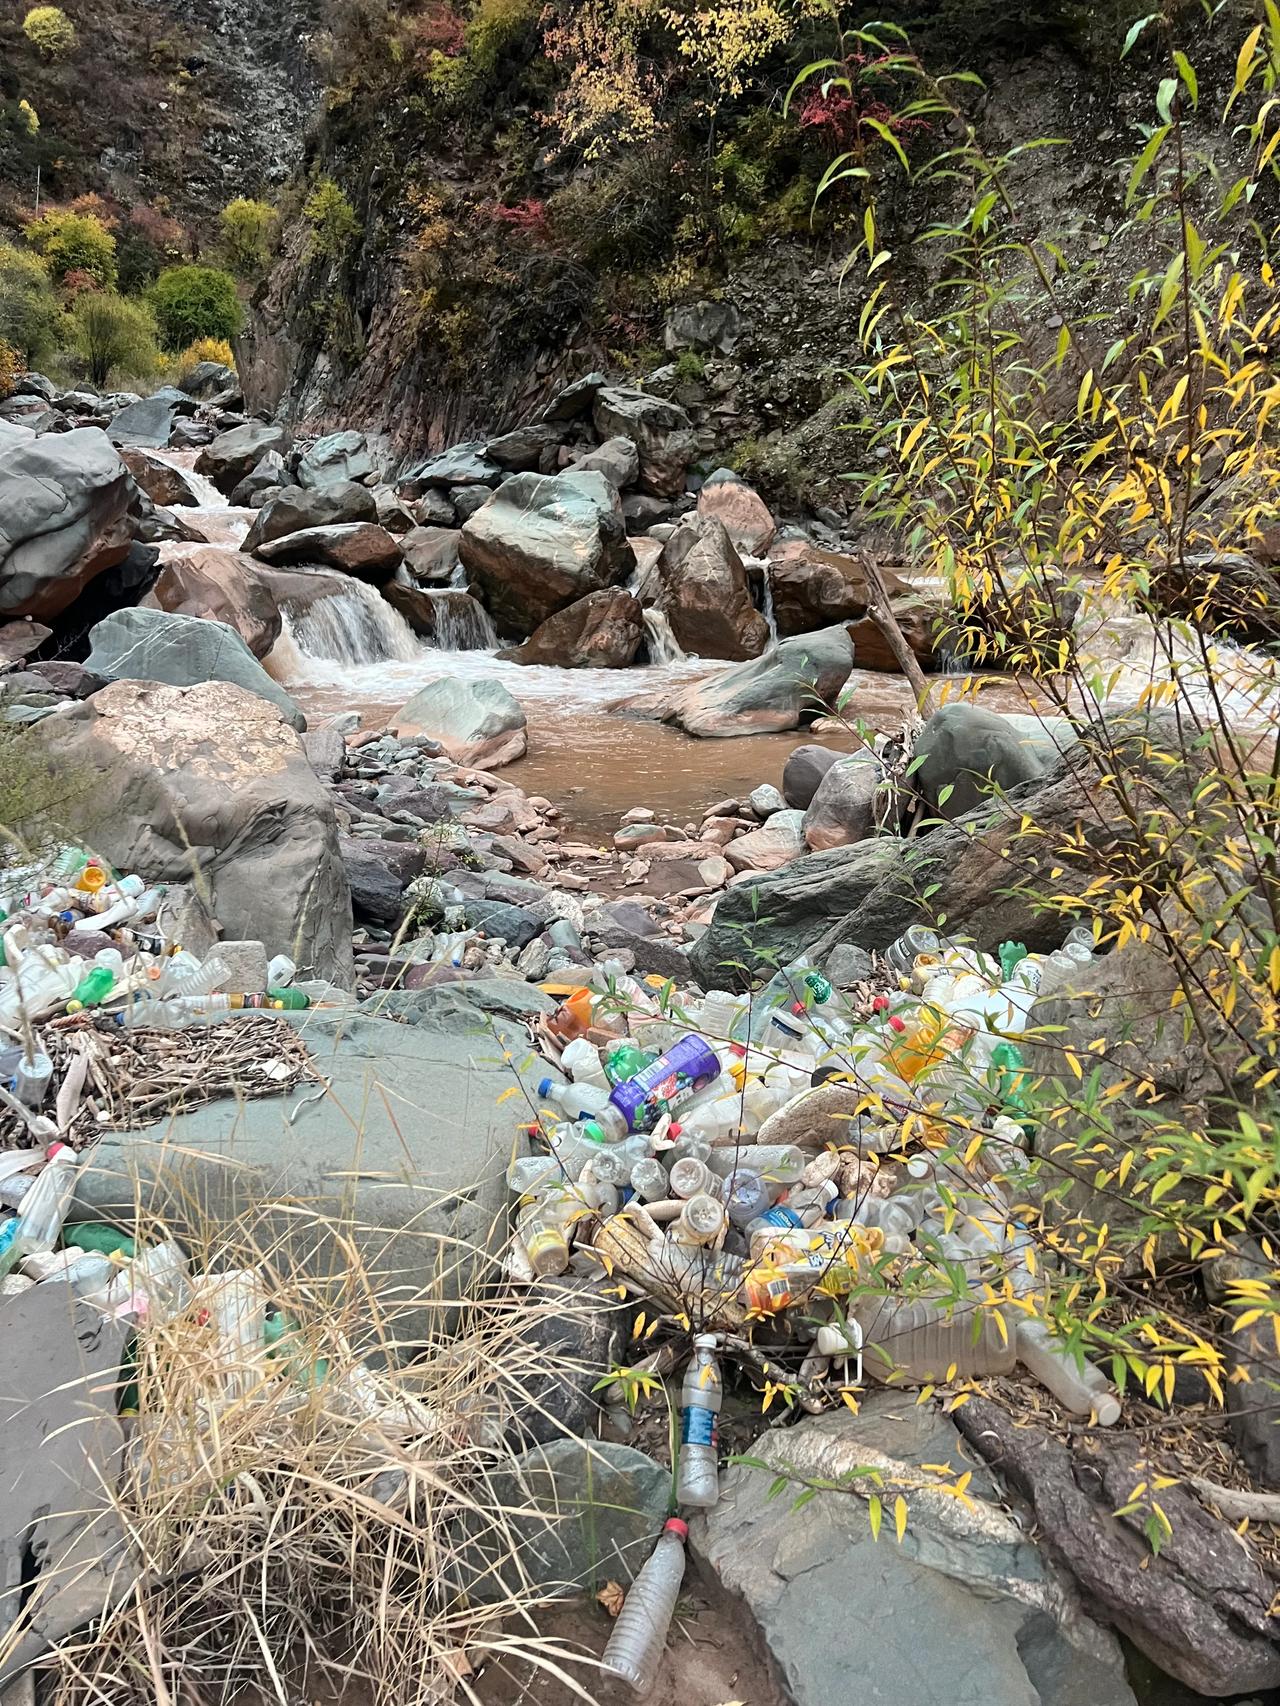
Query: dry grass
316, 1514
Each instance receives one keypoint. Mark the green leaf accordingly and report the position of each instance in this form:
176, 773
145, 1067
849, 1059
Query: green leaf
1135, 30
1142, 165
1165, 96
810, 70
1187, 72
875, 1511
883, 131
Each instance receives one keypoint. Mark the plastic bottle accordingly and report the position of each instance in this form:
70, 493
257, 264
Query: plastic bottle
702, 1220
712, 1121
281, 972
44, 1208
662, 1087
780, 1163
31, 1079
92, 989
910, 1342
698, 1470
288, 1000
577, 1101
690, 1176
1080, 1387
92, 877
639, 1635
581, 1060
649, 1180
625, 1061
201, 981
573, 1016
528, 1172
747, 1195
719, 1013
901, 955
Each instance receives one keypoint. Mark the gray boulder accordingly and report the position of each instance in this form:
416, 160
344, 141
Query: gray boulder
207, 379
540, 542
765, 800
476, 722
391, 513
359, 548
525, 447
431, 554
604, 630
64, 518
337, 456
234, 454
209, 783
297, 509
964, 1609
969, 753
794, 682
661, 432
152, 645
463, 465
843, 808
703, 593
803, 771
617, 459
575, 400
703, 325
267, 479
774, 844
149, 422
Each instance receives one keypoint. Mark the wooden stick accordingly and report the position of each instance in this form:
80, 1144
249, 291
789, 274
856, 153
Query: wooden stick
1236, 1505
881, 612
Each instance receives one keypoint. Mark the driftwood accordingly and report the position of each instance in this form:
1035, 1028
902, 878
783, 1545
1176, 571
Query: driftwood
881, 612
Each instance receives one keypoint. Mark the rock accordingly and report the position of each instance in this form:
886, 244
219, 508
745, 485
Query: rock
1249, 1356
71, 680
264, 481
207, 379
209, 781
233, 454
337, 456
222, 584
765, 800
641, 513
788, 686
433, 509
704, 596
379, 872
803, 771
162, 483
540, 542
575, 400
476, 722
34, 385
745, 515
152, 645
661, 432
12, 433
246, 964
846, 965
494, 918
814, 588
157, 526
318, 1170
1199, 1608
326, 751
566, 1350
604, 630
192, 435
463, 465
64, 519
964, 1608
359, 548
843, 809
19, 639
297, 510
920, 622
467, 500
65, 1548
703, 326
655, 956
431, 554
617, 459
524, 448
774, 844
391, 513
149, 421
465, 1010
974, 752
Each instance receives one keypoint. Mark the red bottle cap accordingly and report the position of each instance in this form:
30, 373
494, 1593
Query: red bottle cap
739, 1050
880, 1003
797, 1007
896, 1024
674, 1129
673, 1525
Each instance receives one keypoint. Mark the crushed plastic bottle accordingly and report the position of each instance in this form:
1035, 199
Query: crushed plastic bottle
639, 1634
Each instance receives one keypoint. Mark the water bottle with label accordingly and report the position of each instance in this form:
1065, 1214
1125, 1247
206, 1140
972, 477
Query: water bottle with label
698, 1474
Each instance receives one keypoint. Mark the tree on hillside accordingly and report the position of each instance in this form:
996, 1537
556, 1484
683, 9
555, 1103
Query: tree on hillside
30, 318
50, 31
248, 231
195, 302
75, 242
113, 334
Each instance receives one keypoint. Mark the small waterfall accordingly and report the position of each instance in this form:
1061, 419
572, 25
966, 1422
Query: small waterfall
354, 626
462, 622
663, 646
766, 598
458, 579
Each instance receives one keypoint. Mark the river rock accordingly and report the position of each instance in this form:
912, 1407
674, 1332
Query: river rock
466, 500
788, 686
576, 399
703, 594
149, 420
477, 723
617, 459
151, 645
968, 753
765, 800
1199, 1608
64, 518
727, 496
209, 782
775, 843
540, 542
223, 584
843, 808
431, 554
433, 509
463, 465
232, 454
162, 483
297, 509
604, 630
661, 432
265, 480
919, 621
803, 771
814, 588
207, 379
525, 447
379, 872
964, 1608
391, 512
359, 548
337, 456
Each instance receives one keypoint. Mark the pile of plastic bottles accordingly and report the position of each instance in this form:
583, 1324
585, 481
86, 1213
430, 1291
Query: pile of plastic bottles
78, 937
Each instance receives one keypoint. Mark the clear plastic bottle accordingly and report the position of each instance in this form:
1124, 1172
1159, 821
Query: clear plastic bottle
581, 1060
701, 1221
639, 1635
690, 1177
780, 1163
698, 1470
649, 1180
31, 1079
528, 1172
281, 972
44, 1208
1079, 1386
746, 1196
909, 1342
577, 1101
201, 981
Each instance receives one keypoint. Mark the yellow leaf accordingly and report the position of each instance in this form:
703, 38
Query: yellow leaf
507, 1094
900, 1516
612, 1598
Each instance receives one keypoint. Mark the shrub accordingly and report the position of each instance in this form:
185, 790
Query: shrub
195, 302
75, 242
113, 334
30, 318
50, 30
495, 27
248, 231
10, 367
333, 222
206, 349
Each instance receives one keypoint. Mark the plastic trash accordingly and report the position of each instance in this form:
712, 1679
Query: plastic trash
1079, 1386
639, 1635
92, 989
662, 1087
38, 1224
577, 1101
31, 1079
698, 1468
702, 1220
581, 1060
909, 1342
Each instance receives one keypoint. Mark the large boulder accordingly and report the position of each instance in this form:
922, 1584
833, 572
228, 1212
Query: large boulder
794, 682
802, 773
431, 554
703, 594
463, 465
540, 542
297, 508
336, 456
617, 459
234, 454
604, 630
476, 722
209, 784
526, 449
773, 845
207, 379
966, 753
359, 548
182, 651
161, 481
211, 581
920, 624
149, 420
64, 518
661, 432
728, 497
814, 588
844, 804
964, 1608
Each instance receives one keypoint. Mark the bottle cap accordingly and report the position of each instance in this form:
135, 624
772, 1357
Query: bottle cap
675, 1129
593, 1132
897, 1024
673, 1525
544, 1087
704, 1341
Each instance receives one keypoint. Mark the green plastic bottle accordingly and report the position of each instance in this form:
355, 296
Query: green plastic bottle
1009, 1071
1011, 954
92, 989
625, 1061
291, 1000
